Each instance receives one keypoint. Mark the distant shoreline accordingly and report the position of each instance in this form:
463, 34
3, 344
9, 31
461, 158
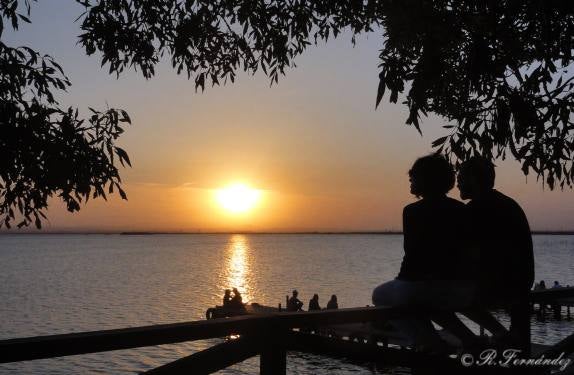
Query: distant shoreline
150, 233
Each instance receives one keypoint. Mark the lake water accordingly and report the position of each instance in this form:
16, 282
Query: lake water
53, 284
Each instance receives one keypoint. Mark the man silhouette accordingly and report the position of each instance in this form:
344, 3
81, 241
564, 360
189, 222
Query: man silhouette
293, 303
500, 231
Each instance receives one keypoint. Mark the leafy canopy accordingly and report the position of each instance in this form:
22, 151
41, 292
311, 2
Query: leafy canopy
499, 71
47, 150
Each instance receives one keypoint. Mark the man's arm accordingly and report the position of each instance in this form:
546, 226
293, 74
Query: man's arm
522, 247
408, 240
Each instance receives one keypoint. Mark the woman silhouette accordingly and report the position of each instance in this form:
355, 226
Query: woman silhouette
435, 265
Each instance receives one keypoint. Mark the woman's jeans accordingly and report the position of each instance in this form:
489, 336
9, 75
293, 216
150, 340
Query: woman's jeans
429, 294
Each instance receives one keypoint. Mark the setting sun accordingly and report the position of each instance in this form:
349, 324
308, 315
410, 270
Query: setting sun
238, 198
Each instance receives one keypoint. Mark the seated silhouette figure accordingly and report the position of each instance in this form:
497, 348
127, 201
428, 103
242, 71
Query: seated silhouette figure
434, 271
556, 285
237, 300
227, 298
500, 231
333, 304
540, 286
314, 303
293, 303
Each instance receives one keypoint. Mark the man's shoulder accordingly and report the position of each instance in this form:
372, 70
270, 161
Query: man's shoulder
495, 194
494, 197
504, 206
505, 200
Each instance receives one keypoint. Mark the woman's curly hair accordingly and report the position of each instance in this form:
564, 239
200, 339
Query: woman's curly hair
431, 175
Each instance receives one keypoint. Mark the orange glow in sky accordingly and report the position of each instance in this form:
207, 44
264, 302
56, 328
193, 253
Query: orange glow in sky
310, 153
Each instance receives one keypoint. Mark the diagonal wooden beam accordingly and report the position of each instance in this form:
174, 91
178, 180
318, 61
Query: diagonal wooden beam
212, 359
565, 346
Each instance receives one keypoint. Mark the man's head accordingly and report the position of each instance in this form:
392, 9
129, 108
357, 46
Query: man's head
295, 293
475, 177
431, 175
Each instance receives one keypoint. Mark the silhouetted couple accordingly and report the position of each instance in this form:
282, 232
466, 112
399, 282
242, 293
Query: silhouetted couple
314, 303
461, 257
233, 302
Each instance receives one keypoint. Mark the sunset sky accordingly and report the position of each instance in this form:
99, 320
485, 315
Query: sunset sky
322, 157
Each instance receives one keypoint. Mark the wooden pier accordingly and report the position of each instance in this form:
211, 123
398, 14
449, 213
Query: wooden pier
554, 299
271, 335
268, 335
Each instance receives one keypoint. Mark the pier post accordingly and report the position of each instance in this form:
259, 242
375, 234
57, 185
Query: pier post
541, 311
273, 358
557, 311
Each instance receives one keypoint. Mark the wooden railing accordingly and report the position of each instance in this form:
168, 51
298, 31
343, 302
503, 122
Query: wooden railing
269, 336
260, 334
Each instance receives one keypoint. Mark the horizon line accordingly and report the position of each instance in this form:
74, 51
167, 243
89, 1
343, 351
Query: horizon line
332, 232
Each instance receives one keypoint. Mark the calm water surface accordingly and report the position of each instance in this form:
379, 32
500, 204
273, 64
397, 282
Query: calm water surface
70, 283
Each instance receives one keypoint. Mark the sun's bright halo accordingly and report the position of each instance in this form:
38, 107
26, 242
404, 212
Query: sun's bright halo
238, 197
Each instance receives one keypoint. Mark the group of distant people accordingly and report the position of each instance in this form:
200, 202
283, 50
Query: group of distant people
233, 302
462, 257
556, 307
294, 304
542, 285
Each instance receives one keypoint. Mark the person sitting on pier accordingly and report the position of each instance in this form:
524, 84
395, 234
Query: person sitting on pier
236, 301
294, 304
556, 285
227, 298
540, 285
501, 232
435, 270
332, 304
314, 303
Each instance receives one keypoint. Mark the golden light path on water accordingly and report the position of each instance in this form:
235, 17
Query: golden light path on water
238, 266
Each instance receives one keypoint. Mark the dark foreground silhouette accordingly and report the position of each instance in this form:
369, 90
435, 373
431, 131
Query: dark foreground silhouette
434, 270
500, 231
460, 257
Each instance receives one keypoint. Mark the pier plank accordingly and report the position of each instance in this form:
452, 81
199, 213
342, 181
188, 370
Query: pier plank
549, 295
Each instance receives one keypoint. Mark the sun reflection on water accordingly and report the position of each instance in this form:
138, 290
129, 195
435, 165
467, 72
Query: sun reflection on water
237, 266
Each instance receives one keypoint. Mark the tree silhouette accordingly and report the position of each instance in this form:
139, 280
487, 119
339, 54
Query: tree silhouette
498, 71
47, 150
